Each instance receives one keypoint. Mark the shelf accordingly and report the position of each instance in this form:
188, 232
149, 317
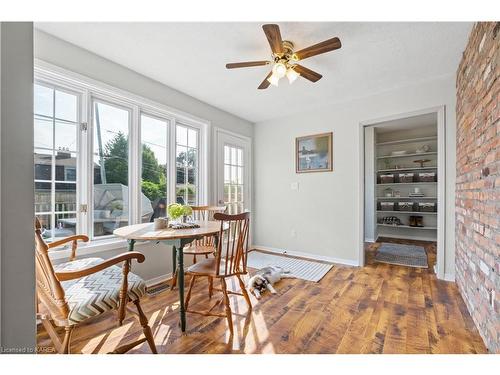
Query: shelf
417, 213
406, 197
406, 169
406, 155
405, 226
410, 140
408, 183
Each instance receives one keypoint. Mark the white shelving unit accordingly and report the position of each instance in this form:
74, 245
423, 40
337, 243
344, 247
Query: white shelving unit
387, 163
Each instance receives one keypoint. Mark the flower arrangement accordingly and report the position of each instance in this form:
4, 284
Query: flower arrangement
176, 210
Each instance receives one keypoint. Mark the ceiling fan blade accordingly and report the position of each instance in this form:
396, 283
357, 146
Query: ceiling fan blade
246, 64
309, 74
265, 83
317, 49
273, 35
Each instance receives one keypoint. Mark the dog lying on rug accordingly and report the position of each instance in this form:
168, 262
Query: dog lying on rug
265, 278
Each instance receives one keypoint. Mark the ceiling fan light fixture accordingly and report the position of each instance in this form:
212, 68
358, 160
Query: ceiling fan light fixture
273, 80
279, 69
292, 75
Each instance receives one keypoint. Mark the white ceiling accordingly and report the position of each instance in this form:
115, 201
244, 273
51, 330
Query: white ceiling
191, 58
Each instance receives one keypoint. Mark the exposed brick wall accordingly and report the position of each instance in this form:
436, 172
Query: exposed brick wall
478, 180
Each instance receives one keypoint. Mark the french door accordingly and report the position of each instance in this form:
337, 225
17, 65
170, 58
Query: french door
233, 168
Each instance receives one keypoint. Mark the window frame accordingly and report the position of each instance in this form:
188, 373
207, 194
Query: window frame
91, 90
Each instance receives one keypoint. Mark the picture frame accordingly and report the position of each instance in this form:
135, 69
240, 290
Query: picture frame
314, 153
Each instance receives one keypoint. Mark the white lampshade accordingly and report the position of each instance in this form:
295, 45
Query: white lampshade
273, 80
279, 69
292, 75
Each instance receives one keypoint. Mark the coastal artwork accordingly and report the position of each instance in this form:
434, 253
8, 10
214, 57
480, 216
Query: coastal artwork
314, 153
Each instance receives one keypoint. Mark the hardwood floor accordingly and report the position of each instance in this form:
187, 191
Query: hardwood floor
380, 308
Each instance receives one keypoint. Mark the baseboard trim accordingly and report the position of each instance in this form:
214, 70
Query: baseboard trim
158, 280
347, 262
449, 277
370, 240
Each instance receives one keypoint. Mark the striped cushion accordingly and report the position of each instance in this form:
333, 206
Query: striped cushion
94, 294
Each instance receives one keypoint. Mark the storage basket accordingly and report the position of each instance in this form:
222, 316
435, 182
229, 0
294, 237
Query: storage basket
427, 207
427, 176
386, 178
406, 177
405, 206
387, 206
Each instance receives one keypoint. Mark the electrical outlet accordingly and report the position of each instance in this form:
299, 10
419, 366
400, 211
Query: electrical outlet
294, 186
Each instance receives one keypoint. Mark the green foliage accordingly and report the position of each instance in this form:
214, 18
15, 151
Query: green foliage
187, 210
116, 160
151, 190
175, 210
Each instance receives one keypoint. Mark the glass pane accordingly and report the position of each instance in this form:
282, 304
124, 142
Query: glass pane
110, 168
240, 175
227, 155
227, 189
43, 197
66, 136
43, 133
234, 197
65, 197
181, 175
154, 168
191, 195
181, 156
65, 225
44, 101
43, 164
192, 174
233, 156
234, 175
181, 135
66, 106
227, 174
192, 138
240, 156
180, 191
239, 195
65, 166
46, 224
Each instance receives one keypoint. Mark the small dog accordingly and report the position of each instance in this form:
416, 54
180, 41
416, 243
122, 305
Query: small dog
265, 278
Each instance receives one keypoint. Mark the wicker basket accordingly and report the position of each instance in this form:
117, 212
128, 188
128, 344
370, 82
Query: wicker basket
427, 177
406, 177
405, 206
427, 207
387, 206
386, 178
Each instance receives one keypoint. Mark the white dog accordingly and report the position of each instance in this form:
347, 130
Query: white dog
265, 278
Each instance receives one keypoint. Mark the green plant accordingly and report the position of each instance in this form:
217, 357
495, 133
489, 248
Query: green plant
187, 210
175, 210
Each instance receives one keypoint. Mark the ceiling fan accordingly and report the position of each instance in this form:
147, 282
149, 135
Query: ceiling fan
284, 58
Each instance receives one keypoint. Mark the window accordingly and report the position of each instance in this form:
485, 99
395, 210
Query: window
55, 160
233, 179
186, 161
154, 172
110, 168
103, 158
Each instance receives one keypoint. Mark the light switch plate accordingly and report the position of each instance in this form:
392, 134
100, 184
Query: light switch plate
294, 186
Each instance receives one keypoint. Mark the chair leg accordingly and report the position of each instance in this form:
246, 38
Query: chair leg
229, 314
210, 287
174, 280
66, 343
188, 296
194, 259
244, 291
145, 327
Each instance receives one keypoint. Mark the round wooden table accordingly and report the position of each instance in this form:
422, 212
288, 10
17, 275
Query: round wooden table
177, 238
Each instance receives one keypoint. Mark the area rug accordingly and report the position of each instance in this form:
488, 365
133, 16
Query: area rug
402, 255
299, 268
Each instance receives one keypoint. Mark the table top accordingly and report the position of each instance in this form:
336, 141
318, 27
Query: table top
146, 232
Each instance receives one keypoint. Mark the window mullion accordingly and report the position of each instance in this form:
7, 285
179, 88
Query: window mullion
134, 169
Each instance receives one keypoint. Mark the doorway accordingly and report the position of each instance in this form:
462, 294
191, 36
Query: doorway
403, 186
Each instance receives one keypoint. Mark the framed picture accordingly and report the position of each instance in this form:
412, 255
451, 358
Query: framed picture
313, 153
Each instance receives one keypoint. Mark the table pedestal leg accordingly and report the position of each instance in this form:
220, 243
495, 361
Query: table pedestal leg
173, 282
131, 244
180, 285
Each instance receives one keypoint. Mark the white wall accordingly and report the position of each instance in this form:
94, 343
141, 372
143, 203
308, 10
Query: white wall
68, 56
16, 199
324, 211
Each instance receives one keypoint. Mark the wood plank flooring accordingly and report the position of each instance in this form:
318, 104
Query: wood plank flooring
379, 308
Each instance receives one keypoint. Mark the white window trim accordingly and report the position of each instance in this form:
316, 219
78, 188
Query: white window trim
89, 90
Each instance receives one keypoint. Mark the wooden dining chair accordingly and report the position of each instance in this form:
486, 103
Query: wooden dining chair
206, 245
230, 261
81, 289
